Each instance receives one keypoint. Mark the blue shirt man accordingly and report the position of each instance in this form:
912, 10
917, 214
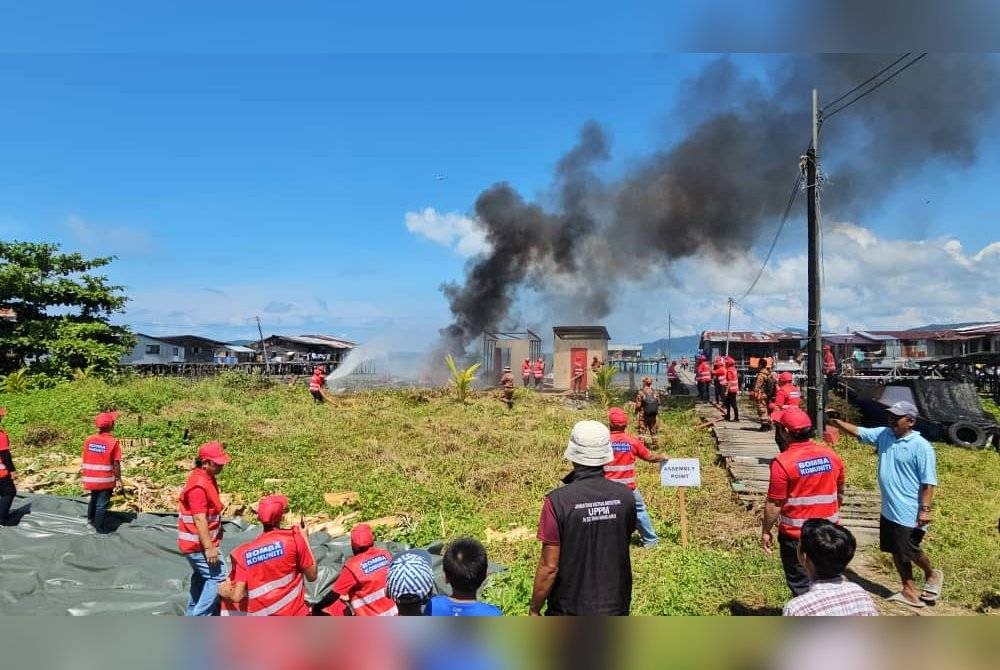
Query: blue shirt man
445, 606
904, 464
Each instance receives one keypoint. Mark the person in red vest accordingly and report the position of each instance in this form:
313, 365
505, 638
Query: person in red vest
807, 482
268, 572
539, 371
829, 363
526, 372
703, 377
719, 375
316, 383
626, 448
199, 529
361, 584
7, 488
732, 390
788, 394
577, 381
100, 470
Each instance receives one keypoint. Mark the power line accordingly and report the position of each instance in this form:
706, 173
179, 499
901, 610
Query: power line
866, 81
885, 81
784, 219
759, 318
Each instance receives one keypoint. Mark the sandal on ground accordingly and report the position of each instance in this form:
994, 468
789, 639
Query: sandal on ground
931, 590
900, 598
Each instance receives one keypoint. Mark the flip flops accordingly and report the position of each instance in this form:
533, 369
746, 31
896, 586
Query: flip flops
900, 598
932, 591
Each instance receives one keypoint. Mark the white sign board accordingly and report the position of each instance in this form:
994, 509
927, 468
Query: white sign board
681, 472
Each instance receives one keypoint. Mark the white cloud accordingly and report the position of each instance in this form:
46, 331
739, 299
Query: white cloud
457, 232
870, 282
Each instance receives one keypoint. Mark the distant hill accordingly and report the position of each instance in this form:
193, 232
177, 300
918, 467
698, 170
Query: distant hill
679, 346
242, 343
949, 326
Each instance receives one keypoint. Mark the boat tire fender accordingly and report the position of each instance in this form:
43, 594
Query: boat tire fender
967, 435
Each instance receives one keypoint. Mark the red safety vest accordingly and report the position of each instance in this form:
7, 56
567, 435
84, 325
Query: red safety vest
788, 395
732, 380
270, 565
814, 472
370, 569
672, 371
829, 363
526, 369
624, 447
4, 446
539, 369
720, 372
187, 533
703, 372
99, 453
316, 382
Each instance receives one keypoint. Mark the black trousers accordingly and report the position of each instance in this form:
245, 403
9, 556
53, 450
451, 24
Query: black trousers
703, 391
720, 393
795, 576
7, 493
731, 405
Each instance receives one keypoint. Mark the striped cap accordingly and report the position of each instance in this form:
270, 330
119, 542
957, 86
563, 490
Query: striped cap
410, 574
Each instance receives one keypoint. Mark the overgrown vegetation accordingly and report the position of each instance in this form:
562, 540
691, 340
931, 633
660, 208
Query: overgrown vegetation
602, 385
477, 468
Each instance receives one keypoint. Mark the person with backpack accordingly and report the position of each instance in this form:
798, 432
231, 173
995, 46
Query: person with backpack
763, 386
647, 406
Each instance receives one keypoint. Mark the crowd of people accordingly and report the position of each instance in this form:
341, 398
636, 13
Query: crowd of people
585, 526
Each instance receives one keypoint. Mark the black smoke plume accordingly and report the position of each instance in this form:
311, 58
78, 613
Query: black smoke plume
716, 190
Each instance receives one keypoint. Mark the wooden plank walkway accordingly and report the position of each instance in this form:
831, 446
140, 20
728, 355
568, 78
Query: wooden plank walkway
746, 453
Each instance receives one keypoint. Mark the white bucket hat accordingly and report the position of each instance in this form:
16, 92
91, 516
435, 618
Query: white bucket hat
589, 444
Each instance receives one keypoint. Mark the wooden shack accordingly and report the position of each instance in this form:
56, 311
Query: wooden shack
572, 344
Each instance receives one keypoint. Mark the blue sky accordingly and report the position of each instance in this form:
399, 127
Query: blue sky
241, 171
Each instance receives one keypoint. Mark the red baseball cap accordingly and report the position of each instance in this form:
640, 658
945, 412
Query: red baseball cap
362, 536
270, 508
105, 420
785, 376
213, 451
617, 416
793, 419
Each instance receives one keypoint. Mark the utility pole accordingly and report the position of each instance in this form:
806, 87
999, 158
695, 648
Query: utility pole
263, 348
814, 366
729, 324
668, 337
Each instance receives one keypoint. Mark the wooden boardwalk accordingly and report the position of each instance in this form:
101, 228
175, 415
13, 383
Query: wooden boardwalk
746, 453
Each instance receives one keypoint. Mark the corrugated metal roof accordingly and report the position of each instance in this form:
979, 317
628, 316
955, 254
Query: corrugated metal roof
320, 340
875, 337
237, 349
586, 332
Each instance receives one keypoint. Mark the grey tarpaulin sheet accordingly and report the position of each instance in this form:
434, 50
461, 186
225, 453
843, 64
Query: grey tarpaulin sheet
52, 561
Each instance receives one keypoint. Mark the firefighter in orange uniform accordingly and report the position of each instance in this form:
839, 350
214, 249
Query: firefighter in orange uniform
732, 390
788, 394
199, 529
316, 383
268, 572
507, 384
703, 377
361, 584
577, 380
526, 372
762, 385
101, 468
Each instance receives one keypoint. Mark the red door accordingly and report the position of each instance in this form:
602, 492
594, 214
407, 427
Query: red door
578, 359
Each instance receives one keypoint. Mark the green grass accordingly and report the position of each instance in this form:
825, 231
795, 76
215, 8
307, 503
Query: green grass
423, 456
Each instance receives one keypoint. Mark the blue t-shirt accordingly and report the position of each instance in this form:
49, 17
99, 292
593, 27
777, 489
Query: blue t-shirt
445, 606
904, 464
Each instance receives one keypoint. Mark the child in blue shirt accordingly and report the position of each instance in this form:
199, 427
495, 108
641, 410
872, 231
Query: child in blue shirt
465, 566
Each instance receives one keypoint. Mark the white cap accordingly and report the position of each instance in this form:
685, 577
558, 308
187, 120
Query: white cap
589, 444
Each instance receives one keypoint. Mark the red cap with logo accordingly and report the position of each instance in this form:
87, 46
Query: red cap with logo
362, 536
271, 508
617, 416
105, 420
213, 451
793, 419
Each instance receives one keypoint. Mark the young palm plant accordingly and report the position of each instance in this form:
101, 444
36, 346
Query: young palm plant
461, 378
16, 382
601, 385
